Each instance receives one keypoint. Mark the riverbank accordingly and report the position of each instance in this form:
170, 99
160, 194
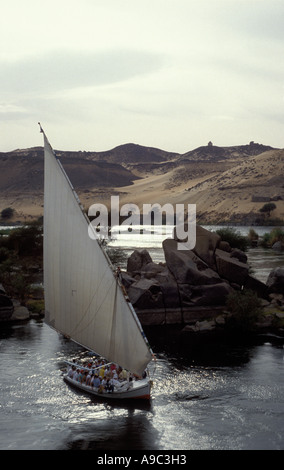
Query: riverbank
194, 326
195, 319
200, 320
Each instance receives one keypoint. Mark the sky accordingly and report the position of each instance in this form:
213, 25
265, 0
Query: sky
170, 74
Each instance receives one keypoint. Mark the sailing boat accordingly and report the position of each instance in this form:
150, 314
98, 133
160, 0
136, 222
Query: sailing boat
84, 299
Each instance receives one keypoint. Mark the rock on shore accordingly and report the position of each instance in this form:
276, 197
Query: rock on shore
10, 309
20, 313
275, 281
190, 280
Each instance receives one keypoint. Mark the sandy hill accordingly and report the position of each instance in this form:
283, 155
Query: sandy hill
231, 190
226, 183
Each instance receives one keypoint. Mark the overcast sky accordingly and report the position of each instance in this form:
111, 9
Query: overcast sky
171, 74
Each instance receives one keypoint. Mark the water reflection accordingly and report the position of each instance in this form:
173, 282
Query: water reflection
184, 350
133, 431
219, 400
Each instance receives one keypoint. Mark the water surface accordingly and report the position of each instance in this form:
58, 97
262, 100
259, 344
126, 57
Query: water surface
207, 404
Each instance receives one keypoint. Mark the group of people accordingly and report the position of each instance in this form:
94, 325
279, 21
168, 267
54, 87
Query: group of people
101, 376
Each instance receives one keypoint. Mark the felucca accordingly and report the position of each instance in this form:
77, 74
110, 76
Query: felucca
84, 298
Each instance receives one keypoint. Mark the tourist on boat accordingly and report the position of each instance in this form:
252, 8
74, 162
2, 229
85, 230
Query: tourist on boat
130, 382
71, 372
88, 378
117, 384
101, 386
80, 376
76, 375
95, 381
102, 372
109, 387
123, 375
92, 379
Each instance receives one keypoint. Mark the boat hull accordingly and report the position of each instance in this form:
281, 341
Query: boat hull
140, 389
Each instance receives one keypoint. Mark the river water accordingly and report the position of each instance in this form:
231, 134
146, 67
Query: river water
219, 397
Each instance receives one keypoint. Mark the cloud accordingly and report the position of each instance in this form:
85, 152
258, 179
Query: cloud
61, 70
164, 73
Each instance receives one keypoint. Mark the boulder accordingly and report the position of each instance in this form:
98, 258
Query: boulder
191, 279
210, 294
278, 246
20, 313
239, 254
276, 299
137, 260
230, 268
171, 295
275, 281
220, 320
126, 279
152, 270
205, 325
225, 246
187, 267
146, 294
257, 286
169, 289
206, 243
200, 327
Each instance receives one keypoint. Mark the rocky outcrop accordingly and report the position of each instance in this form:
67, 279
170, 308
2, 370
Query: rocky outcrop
138, 260
278, 246
186, 266
189, 280
10, 309
275, 281
20, 313
231, 268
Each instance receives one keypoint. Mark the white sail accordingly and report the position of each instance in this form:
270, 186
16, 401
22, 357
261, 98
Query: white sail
82, 297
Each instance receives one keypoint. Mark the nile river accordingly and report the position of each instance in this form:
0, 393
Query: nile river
225, 397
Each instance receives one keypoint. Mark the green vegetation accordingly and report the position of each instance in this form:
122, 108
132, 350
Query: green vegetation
276, 235
268, 239
21, 261
252, 237
117, 257
35, 306
234, 238
5, 231
245, 308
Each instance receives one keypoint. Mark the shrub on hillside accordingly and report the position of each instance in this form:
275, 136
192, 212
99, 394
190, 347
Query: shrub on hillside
7, 213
